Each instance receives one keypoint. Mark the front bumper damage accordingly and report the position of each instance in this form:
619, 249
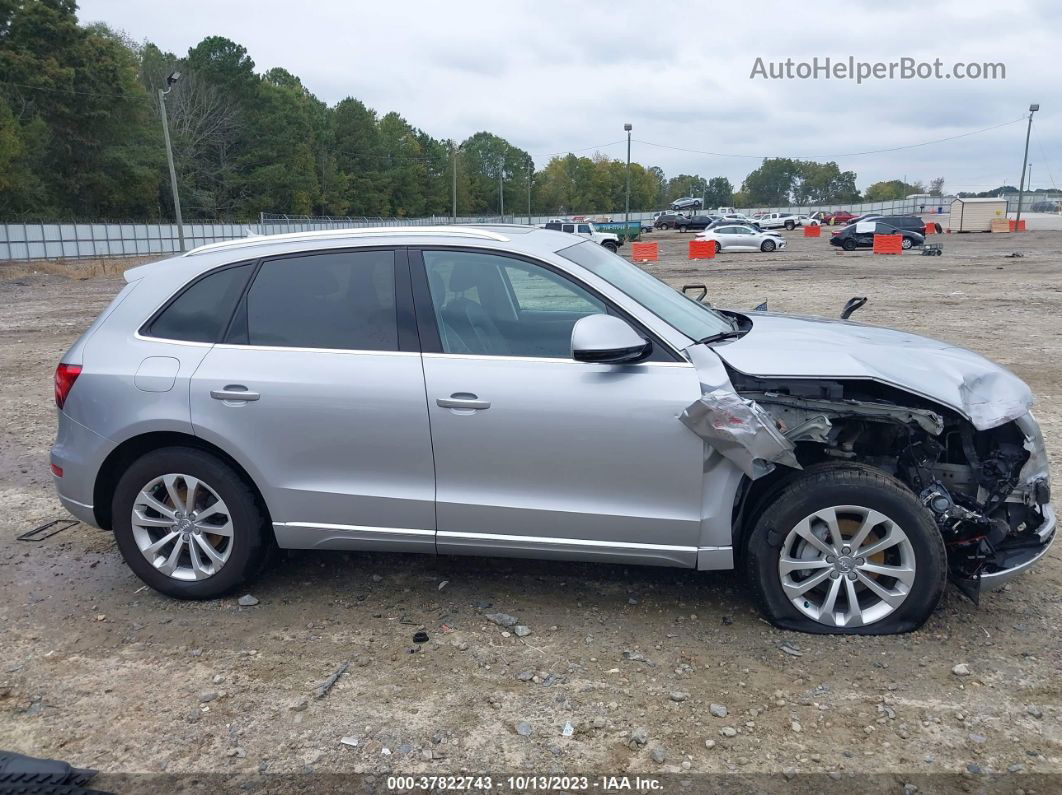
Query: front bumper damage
980, 469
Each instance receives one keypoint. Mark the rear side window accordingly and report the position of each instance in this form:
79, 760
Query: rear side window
343, 300
202, 311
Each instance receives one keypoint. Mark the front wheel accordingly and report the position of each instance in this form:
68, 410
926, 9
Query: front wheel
790, 225
906, 243
767, 245
682, 228
846, 549
188, 525
611, 246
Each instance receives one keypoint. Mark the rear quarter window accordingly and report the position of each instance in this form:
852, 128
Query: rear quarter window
202, 310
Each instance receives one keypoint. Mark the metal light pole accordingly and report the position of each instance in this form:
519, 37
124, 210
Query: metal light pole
530, 176
501, 187
453, 169
627, 205
1025, 160
170, 80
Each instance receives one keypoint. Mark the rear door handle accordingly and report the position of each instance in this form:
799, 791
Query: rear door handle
233, 392
462, 400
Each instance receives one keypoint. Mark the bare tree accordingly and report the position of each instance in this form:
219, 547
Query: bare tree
936, 186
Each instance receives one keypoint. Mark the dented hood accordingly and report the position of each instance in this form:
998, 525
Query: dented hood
793, 346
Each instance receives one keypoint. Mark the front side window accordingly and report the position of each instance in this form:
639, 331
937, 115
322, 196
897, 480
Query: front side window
202, 311
343, 300
489, 304
569, 228
584, 228
687, 316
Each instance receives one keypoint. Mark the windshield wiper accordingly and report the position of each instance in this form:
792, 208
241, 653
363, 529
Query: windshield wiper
722, 335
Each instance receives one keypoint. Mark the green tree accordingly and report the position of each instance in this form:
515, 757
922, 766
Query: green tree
720, 192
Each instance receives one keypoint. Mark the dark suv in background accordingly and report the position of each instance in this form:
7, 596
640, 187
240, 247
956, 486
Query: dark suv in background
849, 239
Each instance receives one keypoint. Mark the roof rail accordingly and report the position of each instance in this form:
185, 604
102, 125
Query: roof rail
340, 234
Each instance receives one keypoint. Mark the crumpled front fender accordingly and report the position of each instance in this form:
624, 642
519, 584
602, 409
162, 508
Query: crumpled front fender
737, 428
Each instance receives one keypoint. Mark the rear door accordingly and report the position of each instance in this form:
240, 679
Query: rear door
318, 392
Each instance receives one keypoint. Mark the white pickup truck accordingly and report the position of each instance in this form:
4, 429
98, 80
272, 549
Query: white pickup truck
778, 220
585, 229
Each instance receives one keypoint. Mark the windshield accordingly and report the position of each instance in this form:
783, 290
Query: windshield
690, 317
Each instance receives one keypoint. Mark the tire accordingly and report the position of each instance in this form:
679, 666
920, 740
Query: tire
682, 228
853, 494
767, 246
849, 245
790, 225
938, 229
245, 550
718, 247
610, 246
906, 243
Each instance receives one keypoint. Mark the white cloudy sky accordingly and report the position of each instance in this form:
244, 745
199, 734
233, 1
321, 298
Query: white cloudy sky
554, 77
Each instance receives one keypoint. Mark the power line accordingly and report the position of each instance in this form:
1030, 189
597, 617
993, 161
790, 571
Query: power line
839, 154
74, 91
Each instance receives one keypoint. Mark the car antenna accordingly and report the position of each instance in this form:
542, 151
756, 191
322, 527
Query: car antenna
853, 304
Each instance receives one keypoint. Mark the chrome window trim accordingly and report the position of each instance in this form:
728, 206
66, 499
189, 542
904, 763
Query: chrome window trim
190, 343
549, 360
581, 542
356, 528
291, 348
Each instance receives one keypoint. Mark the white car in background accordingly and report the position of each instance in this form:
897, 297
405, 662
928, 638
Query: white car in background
738, 237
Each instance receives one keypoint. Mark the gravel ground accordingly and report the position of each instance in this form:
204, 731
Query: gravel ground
656, 671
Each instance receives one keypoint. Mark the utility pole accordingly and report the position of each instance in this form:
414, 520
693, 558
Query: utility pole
453, 170
170, 80
501, 187
1025, 160
530, 176
627, 205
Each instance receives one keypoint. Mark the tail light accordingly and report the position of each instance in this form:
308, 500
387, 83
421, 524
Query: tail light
65, 376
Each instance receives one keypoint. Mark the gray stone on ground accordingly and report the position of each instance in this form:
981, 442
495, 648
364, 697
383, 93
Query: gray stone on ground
501, 619
247, 601
718, 710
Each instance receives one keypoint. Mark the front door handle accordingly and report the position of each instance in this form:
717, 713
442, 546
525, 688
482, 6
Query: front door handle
233, 392
463, 400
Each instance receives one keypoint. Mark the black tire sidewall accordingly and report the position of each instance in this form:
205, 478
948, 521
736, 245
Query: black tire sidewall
767, 246
849, 245
806, 494
249, 541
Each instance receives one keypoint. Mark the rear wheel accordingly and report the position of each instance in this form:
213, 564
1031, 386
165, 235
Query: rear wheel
188, 525
849, 245
718, 247
611, 246
767, 245
790, 225
845, 548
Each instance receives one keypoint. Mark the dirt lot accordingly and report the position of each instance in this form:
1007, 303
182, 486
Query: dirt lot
98, 670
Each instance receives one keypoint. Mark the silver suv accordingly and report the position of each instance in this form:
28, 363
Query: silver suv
506, 390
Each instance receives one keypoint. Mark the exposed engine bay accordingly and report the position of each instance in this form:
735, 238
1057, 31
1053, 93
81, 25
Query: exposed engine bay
988, 490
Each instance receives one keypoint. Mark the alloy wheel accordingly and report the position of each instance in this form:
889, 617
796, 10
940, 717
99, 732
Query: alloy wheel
182, 526
847, 566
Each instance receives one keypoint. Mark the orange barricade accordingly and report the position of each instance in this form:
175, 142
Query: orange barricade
812, 231
702, 249
1017, 226
930, 229
645, 252
888, 244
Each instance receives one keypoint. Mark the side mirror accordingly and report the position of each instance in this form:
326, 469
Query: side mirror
604, 339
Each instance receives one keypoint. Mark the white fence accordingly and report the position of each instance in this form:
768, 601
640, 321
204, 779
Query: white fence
31, 241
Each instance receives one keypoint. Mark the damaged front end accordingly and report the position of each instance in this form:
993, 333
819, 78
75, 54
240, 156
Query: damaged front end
982, 474
988, 490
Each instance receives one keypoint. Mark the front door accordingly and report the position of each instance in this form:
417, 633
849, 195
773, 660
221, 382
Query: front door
319, 393
536, 454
